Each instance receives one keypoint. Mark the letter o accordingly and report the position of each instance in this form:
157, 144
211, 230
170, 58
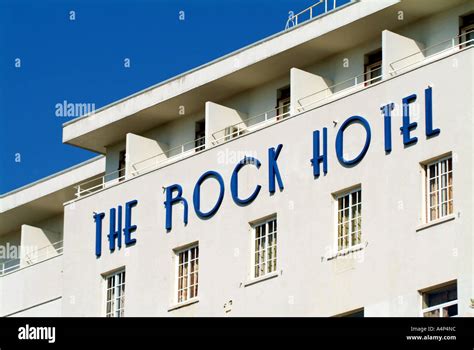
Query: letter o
197, 194
340, 140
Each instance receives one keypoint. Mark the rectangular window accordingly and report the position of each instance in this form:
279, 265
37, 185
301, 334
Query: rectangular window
441, 302
466, 30
121, 165
199, 136
188, 271
115, 294
233, 131
283, 102
265, 247
349, 220
373, 67
439, 188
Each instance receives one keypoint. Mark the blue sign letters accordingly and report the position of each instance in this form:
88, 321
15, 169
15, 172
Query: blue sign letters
115, 228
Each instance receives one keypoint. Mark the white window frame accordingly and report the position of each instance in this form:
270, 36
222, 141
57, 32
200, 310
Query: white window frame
437, 162
187, 249
232, 132
115, 312
264, 222
283, 108
439, 307
340, 195
369, 69
463, 36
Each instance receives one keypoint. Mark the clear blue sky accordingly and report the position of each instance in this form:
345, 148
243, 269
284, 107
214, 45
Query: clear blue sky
82, 61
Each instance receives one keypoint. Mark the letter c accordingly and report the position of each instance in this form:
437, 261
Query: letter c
234, 181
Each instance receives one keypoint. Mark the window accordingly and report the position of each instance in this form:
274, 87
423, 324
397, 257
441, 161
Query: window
440, 302
115, 294
199, 136
466, 30
188, 269
233, 131
349, 216
121, 165
373, 67
283, 102
439, 189
265, 247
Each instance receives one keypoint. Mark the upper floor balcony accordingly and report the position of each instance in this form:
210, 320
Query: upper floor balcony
35, 269
341, 48
306, 91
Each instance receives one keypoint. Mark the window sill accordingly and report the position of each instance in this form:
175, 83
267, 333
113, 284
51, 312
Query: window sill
183, 304
262, 278
348, 251
436, 222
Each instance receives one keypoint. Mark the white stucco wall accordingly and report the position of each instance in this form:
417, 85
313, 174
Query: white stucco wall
32, 287
398, 260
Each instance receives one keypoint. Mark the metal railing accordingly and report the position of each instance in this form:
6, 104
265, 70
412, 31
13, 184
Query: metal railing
261, 120
250, 124
337, 90
320, 8
172, 154
431, 52
31, 258
142, 166
99, 183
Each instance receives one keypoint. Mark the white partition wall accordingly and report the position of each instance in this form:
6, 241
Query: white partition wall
307, 90
37, 244
399, 52
223, 122
142, 154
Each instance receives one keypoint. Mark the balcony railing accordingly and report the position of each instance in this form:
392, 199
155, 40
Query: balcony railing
33, 257
251, 124
431, 53
320, 8
338, 90
170, 155
259, 121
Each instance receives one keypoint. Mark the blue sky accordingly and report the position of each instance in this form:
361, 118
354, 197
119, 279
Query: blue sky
82, 61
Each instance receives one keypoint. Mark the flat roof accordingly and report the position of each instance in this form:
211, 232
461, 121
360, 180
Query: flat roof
44, 198
343, 28
243, 69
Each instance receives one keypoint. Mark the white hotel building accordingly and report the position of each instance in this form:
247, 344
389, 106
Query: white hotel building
324, 171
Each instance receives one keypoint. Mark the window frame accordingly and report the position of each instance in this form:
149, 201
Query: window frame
122, 163
464, 29
232, 132
371, 65
105, 280
337, 196
441, 306
283, 102
200, 135
253, 226
427, 193
177, 252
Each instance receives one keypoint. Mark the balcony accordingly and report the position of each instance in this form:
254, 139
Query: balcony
32, 257
320, 8
308, 91
39, 271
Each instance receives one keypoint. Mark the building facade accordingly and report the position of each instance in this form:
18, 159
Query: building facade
324, 171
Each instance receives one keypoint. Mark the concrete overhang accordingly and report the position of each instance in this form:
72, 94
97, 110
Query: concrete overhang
345, 28
44, 198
